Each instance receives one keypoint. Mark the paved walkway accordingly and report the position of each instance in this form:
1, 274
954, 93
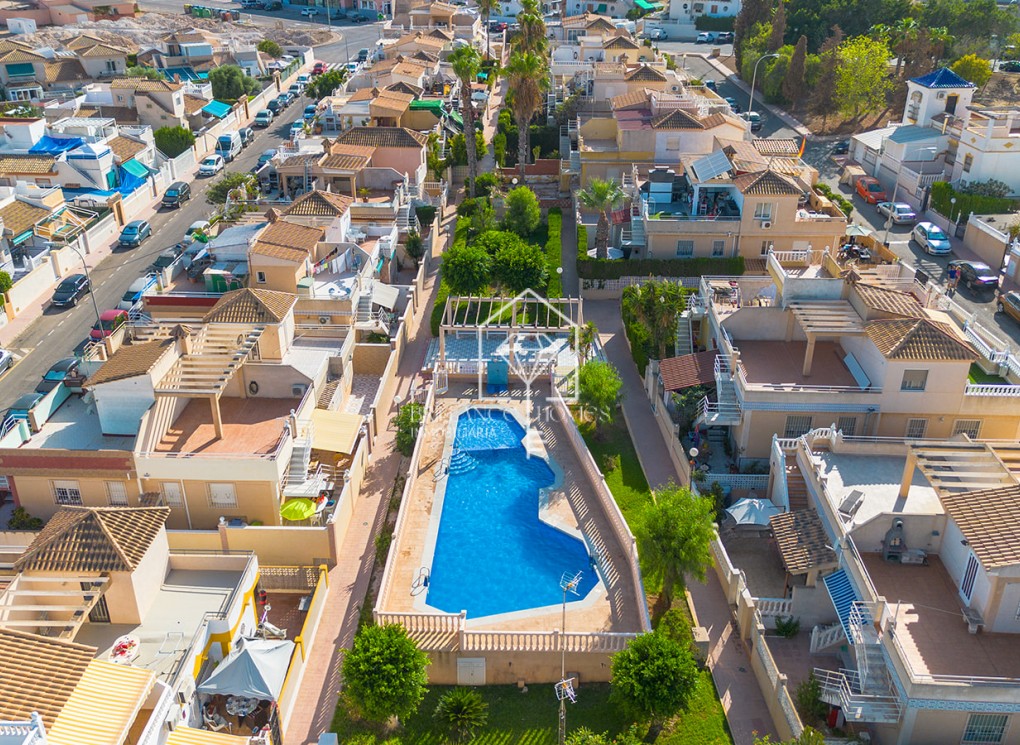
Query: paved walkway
728, 658
349, 579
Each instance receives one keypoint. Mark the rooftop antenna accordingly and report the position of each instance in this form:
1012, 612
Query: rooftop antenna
565, 688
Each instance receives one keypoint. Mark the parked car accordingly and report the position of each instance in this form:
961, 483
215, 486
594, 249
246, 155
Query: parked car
273, 5
352, 69
319, 68
165, 259
109, 321
134, 233
275, 106
247, 136
57, 374
133, 295
267, 155
657, 34
497, 27
23, 406
264, 118
705, 37
900, 212
930, 237
357, 18
310, 111
212, 165
755, 120
724, 37
287, 97
6, 360
734, 106
178, 193
309, 12
297, 128
711, 85
198, 267
1010, 305
296, 90
870, 190
70, 291
976, 275
842, 147
1009, 66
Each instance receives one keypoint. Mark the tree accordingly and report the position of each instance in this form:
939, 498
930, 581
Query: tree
656, 306
523, 213
230, 82
143, 71
461, 712
601, 195
325, 84
466, 269
466, 63
271, 48
653, 679
520, 266
675, 536
809, 736
599, 387
972, 68
778, 27
793, 82
528, 79
584, 341
172, 141
218, 192
384, 674
414, 246
407, 423
494, 241
486, 7
531, 31
823, 99
752, 12
862, 78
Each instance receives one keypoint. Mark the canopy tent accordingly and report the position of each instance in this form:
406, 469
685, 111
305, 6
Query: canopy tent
217, 109
53, 145
256, 669
385, 295
335, 431
753, 511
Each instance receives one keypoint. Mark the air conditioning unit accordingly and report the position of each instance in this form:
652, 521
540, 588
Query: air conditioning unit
298, 390
323, 320
766, 224
942, 95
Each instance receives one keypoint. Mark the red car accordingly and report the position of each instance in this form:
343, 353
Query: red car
320, 67
870, 190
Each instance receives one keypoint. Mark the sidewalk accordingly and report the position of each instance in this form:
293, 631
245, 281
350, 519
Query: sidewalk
349, 579
728, 657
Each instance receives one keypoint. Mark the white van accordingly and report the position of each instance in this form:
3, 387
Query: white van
134, 293
228, 145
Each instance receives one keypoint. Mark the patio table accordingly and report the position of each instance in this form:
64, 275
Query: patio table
241, 706
125, 649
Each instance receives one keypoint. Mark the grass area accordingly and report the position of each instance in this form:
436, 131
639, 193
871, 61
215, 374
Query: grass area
627, 482
703, 723
554, 253
514, 717
977, 376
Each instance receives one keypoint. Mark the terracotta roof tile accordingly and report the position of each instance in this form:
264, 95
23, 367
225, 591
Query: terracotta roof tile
918, 339
292, 235
130, 361
144, 84
287, 253
402, 87
65, 70
194, 104
39, 674
319, 204
637, 98
645, 73
101, 50
9, 45
620, 42
765, 184
411, 68
124, 148
383, 137
20, 216
802, 541
688, 370
249, 305
37, 164
123, 114
21, 54
990, 522
776, 146
345, 162
887, 300
677, 119
94, 539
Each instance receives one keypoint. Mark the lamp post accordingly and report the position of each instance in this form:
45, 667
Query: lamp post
952, 211
754, 77
92, 295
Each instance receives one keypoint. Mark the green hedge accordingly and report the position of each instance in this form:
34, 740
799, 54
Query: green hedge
436, 319
554, 252
713, 23
588, 268
942, 193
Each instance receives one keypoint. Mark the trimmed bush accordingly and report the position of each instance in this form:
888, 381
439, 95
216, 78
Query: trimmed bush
553, 252
942, 193
407, 422
426, 215
588, 268
714, 23
459, 238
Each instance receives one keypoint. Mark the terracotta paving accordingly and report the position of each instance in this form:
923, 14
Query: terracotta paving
250, 425
782, 363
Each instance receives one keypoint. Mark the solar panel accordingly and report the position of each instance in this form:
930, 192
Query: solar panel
715, 164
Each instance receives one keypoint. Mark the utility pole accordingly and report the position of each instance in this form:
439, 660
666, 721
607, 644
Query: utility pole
565, 688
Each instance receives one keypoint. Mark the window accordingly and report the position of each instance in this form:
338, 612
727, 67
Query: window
797, 426
67, 492
116, 493
222, 495
766, 246
914, 380
684, 249
763, 211
714, 10
969, 427
718, 248
171, 491
985, 729
967, 582
847, 425
916, 428
111, 65
260, 277
968, 161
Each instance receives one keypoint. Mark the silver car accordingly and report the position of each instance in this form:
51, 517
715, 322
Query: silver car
900, 212
931, 238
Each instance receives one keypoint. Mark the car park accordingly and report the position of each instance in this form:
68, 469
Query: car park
901, 213
976, 275
870, 190
70, 290
264, 118
211, 165
134, 293
59, 372
177, 194
1010, 305
134, 233
705, 37
930, 237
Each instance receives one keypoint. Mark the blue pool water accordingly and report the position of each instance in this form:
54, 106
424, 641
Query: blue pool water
493, 554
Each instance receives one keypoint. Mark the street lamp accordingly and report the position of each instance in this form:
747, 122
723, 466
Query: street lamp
754, 77
952, 210
92, 295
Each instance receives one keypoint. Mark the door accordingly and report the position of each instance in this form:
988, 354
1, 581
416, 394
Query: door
969, 575
951, 101
471, 671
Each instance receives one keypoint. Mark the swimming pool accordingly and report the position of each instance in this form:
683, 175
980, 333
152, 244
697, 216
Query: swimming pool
492, 553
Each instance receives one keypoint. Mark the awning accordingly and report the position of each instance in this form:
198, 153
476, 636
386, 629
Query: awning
601, 9
19, 239
645, 5
843, 596
335, 431
191, 736
688, 370
217, 108
385, 295
135, 168
256, 669
52, 145
103, 706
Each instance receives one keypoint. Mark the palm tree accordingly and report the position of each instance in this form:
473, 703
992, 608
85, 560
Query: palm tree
601, 195
461, 712
583, 342
528, 79
486, 7
531, 34
466, 63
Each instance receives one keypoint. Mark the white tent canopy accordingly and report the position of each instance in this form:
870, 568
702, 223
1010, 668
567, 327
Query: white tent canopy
256, 669
753, 511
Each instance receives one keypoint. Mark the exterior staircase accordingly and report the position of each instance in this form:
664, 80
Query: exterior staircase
634, 234
407, 219
298, 482
796, 487
725, 410
684, 330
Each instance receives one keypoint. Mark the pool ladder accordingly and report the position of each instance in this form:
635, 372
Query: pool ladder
421, 582
442, 469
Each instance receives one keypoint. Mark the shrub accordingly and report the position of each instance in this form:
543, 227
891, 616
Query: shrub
554, 253
461, 712
436, 319
384, 674
942, 194
414, 245
787, 626
382, 546
520, 266
271, 48
808, 700
523, 213
610, 462
426, 214
589, 268
469, 207
6, 283
172, 141
408, 421
230, 82
467, 269
714, 23
844, 204
485, 183
494, 241
599, 387
21, 520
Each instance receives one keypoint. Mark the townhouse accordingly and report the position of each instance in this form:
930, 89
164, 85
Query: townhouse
30, 74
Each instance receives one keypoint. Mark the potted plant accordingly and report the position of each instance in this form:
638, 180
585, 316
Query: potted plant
364, 192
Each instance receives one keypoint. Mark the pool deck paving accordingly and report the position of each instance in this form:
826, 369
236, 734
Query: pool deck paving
729, 658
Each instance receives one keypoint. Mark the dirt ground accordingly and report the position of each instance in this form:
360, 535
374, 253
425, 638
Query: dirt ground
1002, 90
147, 29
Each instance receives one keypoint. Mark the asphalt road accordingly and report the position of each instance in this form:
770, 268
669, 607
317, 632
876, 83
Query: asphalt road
58, 331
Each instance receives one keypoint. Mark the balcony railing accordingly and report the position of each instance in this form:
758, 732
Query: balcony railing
996, 391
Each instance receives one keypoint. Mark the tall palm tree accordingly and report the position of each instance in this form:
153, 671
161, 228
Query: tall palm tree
531, 34
528, 79
486, 7
601, 195
466, 63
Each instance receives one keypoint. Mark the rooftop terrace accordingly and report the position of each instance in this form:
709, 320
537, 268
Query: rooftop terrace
75, 426
780, 364
250, 425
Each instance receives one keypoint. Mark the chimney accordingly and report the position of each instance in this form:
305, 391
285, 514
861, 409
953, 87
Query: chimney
177, 78
182, 335
272, 215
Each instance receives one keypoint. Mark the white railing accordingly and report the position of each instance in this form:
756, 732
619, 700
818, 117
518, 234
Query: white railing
154, 727
780, 495
838, 688
774, 607
998, 391
715, 411
823, 637
423, 623
595, 642
28, 732
751, 481
801, 387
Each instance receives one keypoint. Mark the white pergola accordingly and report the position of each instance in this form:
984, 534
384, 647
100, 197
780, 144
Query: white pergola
822, 320
956, 467
31, 603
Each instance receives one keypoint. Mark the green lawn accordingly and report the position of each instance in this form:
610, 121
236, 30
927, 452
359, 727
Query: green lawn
627, 483
977, 376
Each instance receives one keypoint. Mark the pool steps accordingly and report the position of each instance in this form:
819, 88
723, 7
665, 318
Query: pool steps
462, 462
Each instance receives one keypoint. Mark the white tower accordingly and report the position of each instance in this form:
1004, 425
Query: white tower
938, 92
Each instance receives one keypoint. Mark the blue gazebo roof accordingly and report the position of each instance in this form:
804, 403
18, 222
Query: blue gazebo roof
219, 109
942, 78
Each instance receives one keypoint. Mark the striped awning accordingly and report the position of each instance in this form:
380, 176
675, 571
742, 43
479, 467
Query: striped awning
192, 736
335, 431
103, 706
